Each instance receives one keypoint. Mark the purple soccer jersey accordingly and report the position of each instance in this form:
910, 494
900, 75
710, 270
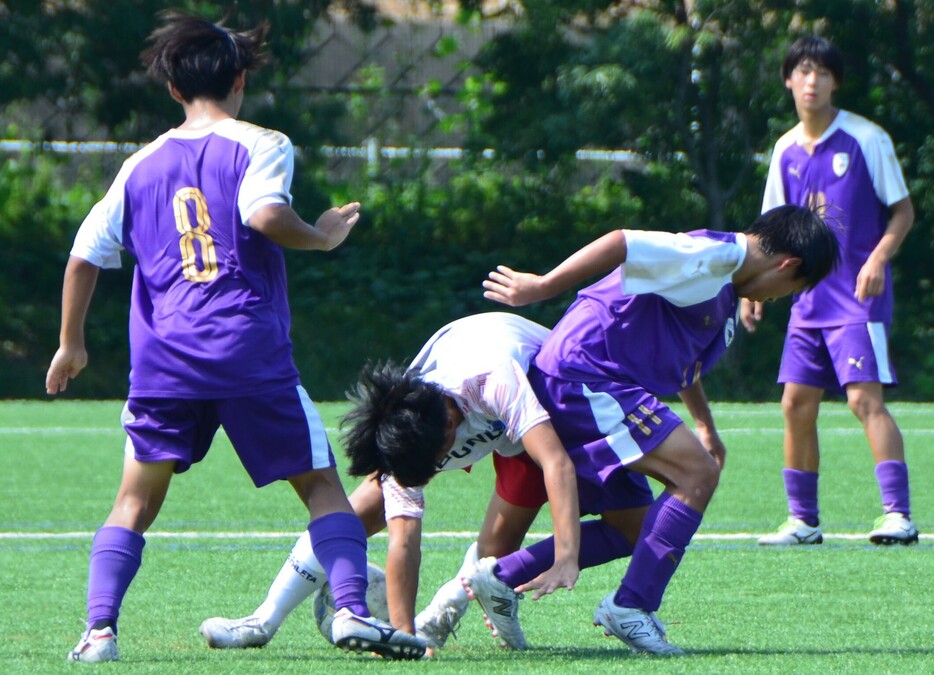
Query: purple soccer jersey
660, 321
209, 315
648, 329
855, 174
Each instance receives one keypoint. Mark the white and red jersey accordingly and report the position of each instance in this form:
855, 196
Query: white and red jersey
480, 362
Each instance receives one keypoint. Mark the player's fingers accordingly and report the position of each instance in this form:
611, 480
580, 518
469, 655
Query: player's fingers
353, 219
501, 279
56, 382
860, 291
496, 297
349, 209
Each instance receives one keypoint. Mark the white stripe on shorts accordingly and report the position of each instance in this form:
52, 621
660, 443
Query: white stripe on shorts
610, 419
880, 347
319, 437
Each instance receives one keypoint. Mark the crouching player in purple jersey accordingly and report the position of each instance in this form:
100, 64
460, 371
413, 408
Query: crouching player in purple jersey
205, 211
837, 337
463, 397
652, 327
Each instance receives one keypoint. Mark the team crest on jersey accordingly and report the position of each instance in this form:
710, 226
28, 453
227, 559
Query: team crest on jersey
841, 162
729, 331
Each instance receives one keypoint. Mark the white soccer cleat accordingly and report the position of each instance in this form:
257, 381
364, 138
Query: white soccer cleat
222, 633
368, 634
641, 631
893, 528
499, 602
440, 618
793, 531
96, 646
436, 623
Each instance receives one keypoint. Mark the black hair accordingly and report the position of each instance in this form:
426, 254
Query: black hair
819, 51
396, 427
801, 232
201, 58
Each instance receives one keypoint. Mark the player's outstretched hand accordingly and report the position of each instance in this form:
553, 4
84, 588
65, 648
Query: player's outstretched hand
512, 288
337, 222
66, 364
561, 575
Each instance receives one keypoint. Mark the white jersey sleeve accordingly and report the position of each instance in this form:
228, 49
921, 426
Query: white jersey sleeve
683, 269
268, 177
100, 238
505, 393
402, 502
881, 161
774, 195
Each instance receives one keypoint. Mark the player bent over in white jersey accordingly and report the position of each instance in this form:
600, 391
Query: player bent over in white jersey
463, 397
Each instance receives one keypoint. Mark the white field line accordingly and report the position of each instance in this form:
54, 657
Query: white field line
462, 534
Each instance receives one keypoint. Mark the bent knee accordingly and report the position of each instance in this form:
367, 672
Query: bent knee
701, 477
865, 405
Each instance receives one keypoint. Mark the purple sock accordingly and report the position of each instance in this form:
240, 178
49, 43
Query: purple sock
116, 555
666, 533
600, 544
801, 488
339, 542
893, 484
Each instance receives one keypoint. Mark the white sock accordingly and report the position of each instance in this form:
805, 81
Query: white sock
299, 578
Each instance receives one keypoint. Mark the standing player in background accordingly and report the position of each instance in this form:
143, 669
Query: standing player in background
205, 211
837, 337
652, 327
463, 397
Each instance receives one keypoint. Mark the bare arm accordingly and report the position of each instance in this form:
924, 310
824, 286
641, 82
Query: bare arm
521, 288
870, 281
72, 356
695, 399
282, 225
544, 447
403, 561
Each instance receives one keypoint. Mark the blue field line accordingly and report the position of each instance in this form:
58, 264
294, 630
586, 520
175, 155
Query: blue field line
441, 534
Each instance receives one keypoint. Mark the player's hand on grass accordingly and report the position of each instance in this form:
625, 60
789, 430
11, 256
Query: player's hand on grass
560, 575
66, 364
750, 314
337, 222
513, 288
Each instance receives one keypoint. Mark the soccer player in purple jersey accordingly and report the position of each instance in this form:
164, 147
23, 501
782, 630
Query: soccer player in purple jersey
652, 327
837, 337
205, 211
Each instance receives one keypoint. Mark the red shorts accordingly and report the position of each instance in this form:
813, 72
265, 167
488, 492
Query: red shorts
519, 481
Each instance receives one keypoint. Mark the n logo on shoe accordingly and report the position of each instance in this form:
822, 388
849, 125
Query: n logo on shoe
634, 629
503, 607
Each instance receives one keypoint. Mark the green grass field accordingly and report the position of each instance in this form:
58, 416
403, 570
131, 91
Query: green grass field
846, 606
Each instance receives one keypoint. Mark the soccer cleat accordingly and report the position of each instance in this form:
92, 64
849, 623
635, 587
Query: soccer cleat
793, 531
499, 602
436, 622
640, 630
893, 528
368, 634
96, 646
224, 633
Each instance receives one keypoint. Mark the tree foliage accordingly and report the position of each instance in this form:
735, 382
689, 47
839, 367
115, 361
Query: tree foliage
691, 87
